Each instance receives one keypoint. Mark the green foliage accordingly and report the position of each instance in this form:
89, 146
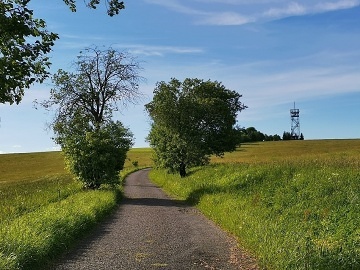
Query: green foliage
113, 6
24, 45
291, 213
191, 121
250, 134
94, 146
286, 136
97, 156
170, 149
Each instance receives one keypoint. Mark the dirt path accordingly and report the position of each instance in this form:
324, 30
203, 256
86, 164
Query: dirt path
151, 231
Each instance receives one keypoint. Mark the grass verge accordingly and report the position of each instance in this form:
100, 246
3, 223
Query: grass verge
44, 211
300, 213
30, 240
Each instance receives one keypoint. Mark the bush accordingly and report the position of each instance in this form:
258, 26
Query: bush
99, 156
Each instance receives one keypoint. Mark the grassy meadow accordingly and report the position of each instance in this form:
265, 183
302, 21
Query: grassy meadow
292, 204
43, 209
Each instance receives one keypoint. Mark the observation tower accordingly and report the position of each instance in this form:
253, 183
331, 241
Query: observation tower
295, 123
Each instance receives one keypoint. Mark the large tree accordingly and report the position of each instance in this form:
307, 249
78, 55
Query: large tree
192, 120
94, 145
25, 44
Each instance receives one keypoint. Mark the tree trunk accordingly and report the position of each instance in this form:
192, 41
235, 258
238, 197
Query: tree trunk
182, 169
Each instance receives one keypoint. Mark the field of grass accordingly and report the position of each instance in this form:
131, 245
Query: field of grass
43, 209
293, 204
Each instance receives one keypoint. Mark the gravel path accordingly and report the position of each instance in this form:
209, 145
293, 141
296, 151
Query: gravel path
151, 231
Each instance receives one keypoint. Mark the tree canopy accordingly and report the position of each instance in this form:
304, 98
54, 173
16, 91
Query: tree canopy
24, 45
103, 81
192, 120
94, 145
250, 134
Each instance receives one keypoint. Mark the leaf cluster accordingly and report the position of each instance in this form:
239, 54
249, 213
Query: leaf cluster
24, 45
113, 6
97, 156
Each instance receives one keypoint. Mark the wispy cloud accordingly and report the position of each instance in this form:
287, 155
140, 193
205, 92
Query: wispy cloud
225, 18
269, 83
177, 6
329, 6
148, 50
70, 42
292, 9
239, 12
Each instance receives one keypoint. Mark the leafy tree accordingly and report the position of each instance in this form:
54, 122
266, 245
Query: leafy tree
24, 44
250, 134
276, 137
192, 120
94, 146
254, 135
287, 136
95, 156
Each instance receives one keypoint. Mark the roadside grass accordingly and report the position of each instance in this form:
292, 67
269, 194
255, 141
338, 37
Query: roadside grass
31, 240
44, 210
294, 205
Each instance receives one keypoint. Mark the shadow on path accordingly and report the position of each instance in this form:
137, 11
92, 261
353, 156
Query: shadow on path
154, 202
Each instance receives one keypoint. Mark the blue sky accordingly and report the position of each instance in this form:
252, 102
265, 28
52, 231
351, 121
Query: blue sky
273, 52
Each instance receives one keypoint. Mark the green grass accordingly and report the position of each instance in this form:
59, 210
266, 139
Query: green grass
43, 210
294, 205
32, 239
137, 158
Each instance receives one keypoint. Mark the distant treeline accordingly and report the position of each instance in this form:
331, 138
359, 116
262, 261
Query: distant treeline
250, 134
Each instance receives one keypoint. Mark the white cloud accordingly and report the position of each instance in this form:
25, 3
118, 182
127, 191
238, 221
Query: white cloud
239, 12
343, 4
284, 86
225, 18
290, 10
176, 6
148, 50
262, 87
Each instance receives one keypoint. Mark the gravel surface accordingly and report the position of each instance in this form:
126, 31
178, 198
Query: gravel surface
151, 231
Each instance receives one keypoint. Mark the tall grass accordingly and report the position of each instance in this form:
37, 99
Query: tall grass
30, 240
294, 207
43, 210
